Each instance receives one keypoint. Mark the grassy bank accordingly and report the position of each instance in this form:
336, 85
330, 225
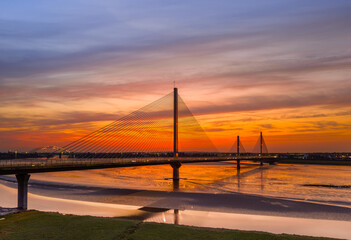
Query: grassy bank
40, 225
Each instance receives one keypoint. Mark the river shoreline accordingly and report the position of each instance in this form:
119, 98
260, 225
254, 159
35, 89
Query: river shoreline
228, 203
230, 211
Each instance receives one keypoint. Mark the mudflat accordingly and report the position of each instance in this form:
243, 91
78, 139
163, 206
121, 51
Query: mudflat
227, 202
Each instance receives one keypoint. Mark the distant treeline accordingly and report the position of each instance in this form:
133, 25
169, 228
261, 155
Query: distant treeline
315, 156
14, 155
280, 157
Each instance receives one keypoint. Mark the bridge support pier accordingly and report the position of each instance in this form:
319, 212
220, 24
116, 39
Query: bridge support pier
238, 164
22, 200
176, 166
176, 216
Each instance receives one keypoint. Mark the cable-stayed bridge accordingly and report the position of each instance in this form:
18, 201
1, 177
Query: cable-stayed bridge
163, 132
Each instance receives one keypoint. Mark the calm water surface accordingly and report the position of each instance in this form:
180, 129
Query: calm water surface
330, 183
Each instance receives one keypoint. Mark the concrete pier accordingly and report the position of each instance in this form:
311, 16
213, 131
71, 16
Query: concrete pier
176, 216
22, 180
176, 166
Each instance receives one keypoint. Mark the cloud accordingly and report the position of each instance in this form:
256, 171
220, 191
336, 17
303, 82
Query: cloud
72, 45
308, 116
331, 124
277, 101
226, 58
209, 129
267, 126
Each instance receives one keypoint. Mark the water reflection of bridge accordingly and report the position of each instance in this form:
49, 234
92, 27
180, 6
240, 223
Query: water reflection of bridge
148, 136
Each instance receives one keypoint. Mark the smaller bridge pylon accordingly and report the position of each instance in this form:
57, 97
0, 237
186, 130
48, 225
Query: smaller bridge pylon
260, 147
237, 148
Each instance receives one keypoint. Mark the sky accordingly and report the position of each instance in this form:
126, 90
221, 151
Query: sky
280, 67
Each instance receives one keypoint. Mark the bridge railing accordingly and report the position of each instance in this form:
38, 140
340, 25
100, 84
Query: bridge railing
91, 162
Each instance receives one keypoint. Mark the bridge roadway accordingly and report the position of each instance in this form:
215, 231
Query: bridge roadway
38, 165
22, 167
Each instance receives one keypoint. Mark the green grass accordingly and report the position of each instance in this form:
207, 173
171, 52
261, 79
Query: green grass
39, 225
157, 231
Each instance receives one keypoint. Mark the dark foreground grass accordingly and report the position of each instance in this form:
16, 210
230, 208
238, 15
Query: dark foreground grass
39, 225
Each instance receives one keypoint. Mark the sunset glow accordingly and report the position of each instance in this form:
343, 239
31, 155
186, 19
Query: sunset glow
280, 67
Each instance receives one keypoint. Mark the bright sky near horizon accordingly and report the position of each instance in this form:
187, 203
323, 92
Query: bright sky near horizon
281, 67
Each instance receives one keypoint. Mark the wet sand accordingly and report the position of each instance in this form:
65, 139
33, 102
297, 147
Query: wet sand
226, 203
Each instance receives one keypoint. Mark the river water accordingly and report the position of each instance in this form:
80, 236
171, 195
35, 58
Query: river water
303, 182
324, 184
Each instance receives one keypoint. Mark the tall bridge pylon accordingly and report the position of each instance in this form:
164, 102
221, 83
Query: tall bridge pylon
147, 130
175, 165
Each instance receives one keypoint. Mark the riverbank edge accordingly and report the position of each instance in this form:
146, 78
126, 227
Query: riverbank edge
44, 225
240, 203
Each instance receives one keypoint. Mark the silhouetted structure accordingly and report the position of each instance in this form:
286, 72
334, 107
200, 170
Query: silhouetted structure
115, 145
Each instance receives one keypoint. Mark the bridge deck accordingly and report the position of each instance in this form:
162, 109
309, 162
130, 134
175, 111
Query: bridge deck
36, 165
